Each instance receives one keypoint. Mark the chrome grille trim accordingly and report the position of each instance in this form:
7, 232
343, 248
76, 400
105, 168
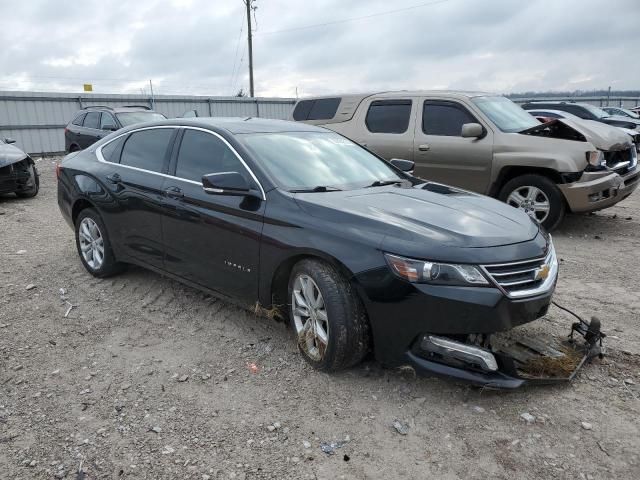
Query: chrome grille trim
518, 287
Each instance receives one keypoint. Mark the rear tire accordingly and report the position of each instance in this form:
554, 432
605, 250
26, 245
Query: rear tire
33, 184
93, 245
533, 193
329, 321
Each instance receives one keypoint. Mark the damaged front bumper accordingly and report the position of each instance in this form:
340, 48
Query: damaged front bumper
510, 359
601, 189
15, 176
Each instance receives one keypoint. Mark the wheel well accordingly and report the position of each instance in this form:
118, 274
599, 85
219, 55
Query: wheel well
78, 207
509, 173
280, 280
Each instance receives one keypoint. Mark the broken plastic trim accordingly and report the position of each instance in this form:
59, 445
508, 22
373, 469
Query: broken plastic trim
460, 351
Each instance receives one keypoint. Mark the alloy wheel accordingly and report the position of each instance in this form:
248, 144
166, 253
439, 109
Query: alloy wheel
91, 243
532, 200
310, 317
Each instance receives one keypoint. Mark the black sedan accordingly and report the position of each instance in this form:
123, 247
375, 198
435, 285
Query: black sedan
356, 253
18, 172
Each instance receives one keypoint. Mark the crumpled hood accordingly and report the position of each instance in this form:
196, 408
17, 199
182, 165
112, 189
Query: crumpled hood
431, 215
10, 154
600, 135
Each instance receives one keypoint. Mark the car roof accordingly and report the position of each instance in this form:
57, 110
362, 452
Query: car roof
397, 93
236, 125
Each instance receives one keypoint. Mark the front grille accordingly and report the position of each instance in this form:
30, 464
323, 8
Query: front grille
520, 279
618, 159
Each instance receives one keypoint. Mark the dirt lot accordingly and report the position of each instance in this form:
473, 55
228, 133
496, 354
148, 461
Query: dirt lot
147, 378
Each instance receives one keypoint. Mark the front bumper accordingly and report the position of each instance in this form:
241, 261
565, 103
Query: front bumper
401, 312
598, 190
14, 177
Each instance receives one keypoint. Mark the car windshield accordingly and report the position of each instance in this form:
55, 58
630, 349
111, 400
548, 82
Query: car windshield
598, 112
508, 116
129, 118
321, 160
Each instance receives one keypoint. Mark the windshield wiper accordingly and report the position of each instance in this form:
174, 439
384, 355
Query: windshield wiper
382, 183
318, 188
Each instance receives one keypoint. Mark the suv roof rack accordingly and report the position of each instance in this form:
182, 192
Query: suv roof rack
146, 107
97, 106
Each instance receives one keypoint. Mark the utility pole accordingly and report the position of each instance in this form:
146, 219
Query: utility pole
248, 4
153, 100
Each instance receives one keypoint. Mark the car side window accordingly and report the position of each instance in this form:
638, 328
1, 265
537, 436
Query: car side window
79, 119
111, 150
107, 122
146, 149
388, 116
444, 118
92, 120
202, 153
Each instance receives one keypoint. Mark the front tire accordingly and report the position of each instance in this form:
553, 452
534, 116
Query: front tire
538, 196
327, 317
93, 245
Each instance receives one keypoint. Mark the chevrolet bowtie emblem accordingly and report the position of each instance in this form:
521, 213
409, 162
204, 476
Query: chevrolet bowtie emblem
543, 272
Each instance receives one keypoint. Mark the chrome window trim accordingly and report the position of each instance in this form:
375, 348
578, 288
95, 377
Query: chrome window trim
102, 159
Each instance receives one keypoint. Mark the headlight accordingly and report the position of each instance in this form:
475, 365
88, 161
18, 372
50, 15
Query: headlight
634, 156
596, 159
420, 271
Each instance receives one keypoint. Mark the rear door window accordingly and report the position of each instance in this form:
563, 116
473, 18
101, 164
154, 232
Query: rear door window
147, 149
111, 151
92, 120
79, 119
388, 116
444, 118
202, 153
107, 122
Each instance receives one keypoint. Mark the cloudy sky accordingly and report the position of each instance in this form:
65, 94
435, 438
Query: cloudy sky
320, 46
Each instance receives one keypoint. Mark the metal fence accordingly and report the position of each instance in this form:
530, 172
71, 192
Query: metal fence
599, 101
36, 120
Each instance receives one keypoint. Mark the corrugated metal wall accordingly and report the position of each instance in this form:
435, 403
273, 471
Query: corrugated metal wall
36, 120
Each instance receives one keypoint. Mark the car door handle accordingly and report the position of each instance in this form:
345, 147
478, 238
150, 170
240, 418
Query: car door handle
424, 147
174, 192
114, 178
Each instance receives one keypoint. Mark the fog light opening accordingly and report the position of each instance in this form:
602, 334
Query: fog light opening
460, 351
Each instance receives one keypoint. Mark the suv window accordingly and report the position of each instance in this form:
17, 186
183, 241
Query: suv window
202, 153
78, 120
146, 149
388, 116
444, 118
320, 109
92, 120
107, 122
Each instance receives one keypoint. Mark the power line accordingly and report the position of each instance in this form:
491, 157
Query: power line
352, 19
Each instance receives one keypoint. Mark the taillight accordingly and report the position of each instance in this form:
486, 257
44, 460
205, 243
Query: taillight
58, 170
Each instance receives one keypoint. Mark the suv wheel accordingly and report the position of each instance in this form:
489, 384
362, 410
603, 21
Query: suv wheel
94, 248
327, 316
536, 195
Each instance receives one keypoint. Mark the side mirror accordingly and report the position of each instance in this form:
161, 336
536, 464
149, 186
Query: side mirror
9, 140
472, 130
401, 164
110, 128
227, 183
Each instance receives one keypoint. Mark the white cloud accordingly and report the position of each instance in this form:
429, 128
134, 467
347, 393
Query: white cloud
191, 46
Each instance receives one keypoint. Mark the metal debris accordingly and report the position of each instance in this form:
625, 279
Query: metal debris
330, 448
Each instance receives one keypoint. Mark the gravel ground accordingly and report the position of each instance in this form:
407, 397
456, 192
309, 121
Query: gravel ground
148, 379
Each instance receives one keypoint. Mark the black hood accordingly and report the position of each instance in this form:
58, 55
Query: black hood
425, 219
10, 154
